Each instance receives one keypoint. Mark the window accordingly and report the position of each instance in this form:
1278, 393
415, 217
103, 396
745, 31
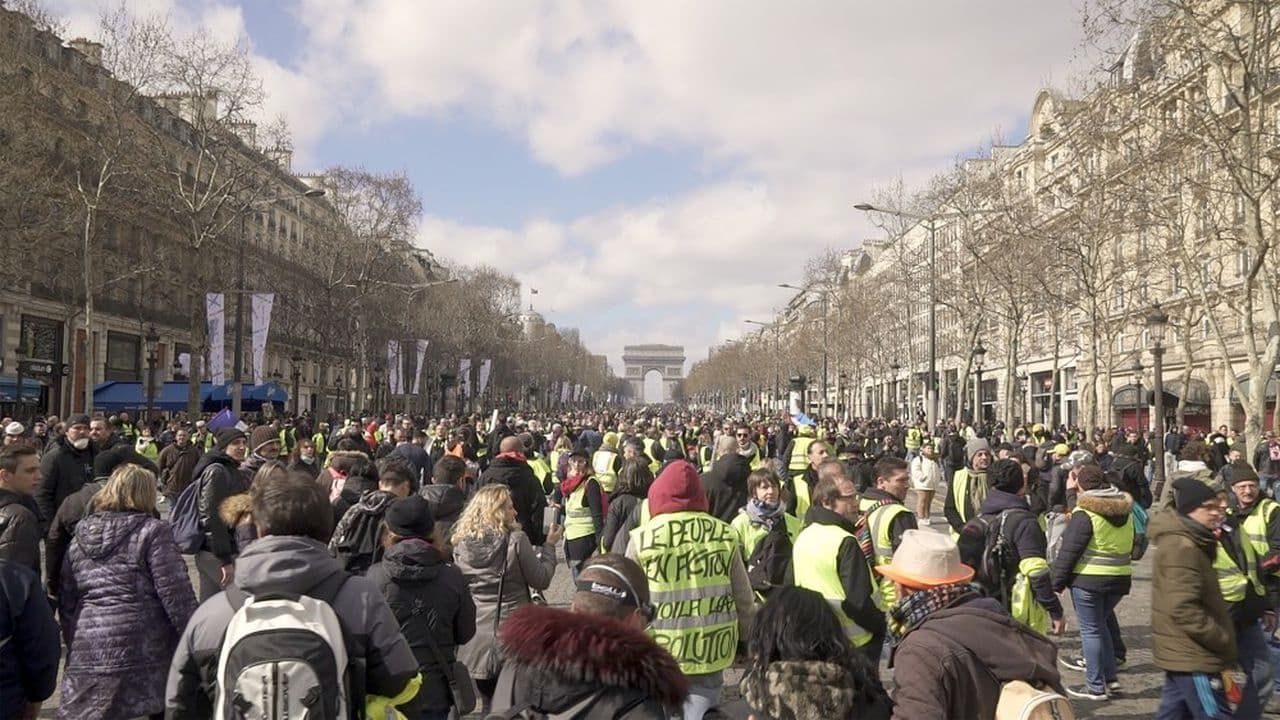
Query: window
124, 353
1175, 281
1053, 161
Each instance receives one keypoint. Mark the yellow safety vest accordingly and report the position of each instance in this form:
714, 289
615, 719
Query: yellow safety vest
147, 450
554, 457
654, 463
1023, 605
1110, 551
1255, 523
704, 458
800, 454
688, 557
541, 470
913, 439
320, 444
867, 504
815, 564
602, 466
749, 536
577, 514
880, 522
1232, 581
960, 496
801, 490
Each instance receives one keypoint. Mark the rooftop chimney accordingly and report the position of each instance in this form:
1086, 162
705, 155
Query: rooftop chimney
91, 50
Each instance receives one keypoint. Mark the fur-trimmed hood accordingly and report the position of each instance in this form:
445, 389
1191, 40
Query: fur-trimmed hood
235, 509
813, 690
570, 656
1109, 502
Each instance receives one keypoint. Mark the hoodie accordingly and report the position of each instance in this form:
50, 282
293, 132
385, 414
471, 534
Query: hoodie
1191, 627
676, 489
1116, 508
292, 564
959, 657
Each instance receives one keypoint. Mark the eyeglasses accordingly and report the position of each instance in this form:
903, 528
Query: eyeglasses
744, 435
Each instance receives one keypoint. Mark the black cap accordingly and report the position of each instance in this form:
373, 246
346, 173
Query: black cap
410, 517
1189, 494
225, 436
80, 419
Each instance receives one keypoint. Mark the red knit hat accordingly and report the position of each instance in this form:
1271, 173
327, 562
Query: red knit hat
677, 488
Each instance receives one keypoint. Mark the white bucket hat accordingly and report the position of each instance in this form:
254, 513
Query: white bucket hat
925, 559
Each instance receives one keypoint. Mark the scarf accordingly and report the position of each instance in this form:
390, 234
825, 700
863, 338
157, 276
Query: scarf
513, 455
761, 513
571, 483
914, 609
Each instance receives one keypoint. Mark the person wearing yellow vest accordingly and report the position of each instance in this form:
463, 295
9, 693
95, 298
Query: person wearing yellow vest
827, 559
145, 445
652, 452
797, 452
1239, 567
606, 462
1006, 510
890, 518
763, 514
579, 498
1095, 562
969, 485
747, 446
320, 440
912, 440
698, 583
670, 442
800, 486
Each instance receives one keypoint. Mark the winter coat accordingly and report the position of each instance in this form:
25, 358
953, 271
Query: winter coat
481, 560
557, 659
19, 530
63, 470
526, 493
418, 459
1111, 504
958, 657
622, 517
220, 478
1028, 541
1128, 470
357, 538
125, 598
429, 598
293, 564
1191, 628
726, 486
177, 468
237, 513
446, 503
32, 649
311, 470
63, 530
816, 690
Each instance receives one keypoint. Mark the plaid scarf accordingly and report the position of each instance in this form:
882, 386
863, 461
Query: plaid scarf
915, 608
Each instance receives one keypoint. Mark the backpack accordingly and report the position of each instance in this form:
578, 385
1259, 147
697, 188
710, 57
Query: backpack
184, 519
985, 545
359, 544
769, 561
285, 655
1020, 700
1140, 541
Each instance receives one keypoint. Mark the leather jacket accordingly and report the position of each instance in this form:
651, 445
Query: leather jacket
220, 479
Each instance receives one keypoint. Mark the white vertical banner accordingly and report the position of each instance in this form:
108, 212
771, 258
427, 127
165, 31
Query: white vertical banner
577, 394
486, 366
394, 367
417, 375
464, 376
564, 392
215, 313
260, 321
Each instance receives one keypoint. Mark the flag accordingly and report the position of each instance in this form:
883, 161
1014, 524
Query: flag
395, 368
464, 376
215, 313
260, 319
485, 366
417, 375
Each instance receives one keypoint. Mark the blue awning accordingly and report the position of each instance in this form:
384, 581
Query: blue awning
9, 389
170, 396
252, 397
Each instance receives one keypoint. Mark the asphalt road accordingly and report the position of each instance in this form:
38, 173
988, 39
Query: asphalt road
1141, 679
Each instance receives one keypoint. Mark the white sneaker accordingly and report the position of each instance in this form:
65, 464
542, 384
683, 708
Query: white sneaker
925, 521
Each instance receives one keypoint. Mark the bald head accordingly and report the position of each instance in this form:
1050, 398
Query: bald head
510, 444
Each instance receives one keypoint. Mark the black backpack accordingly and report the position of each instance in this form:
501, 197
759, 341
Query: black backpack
986, 545
358, 545
767, 567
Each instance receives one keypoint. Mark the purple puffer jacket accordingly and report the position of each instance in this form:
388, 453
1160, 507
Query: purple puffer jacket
125, 597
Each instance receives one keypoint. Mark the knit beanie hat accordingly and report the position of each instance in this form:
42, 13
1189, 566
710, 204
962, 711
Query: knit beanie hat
1239, 471
411, 517
677, 488
227, 435
1006, 475
262, 435
106, 462
975, 446
1189, 493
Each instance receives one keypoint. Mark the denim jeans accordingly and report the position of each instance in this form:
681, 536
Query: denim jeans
1092, 611
1255, 660
704, 694
1270, 484
1192, 696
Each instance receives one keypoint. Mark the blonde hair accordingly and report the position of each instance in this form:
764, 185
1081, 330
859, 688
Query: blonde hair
130, 488
485, 513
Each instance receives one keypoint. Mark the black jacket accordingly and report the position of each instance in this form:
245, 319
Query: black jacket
726, 486
526, 493
418, 459
1128, 470
446, 503
1028, 541
19, 530
221, 478
810, 480
63, 470
32, 649
429, 599
1116, 508
63, 530
557, 660
855, 578
620, 519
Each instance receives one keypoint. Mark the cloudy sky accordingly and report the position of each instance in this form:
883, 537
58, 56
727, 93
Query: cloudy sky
653, 168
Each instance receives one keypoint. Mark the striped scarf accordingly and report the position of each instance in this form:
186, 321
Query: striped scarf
915, 608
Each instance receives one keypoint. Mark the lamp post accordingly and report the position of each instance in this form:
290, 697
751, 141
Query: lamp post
894, 367
21, 353
1157, 321
337, 383
152, 340
1023, 387
979, 355
777, 359
296, 363
1136, 368
824, 292
237, 364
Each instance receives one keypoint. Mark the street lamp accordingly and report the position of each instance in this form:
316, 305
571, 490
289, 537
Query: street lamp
1023, 386
1136, 369
979, 355
21, 353
295, 361
337, 383
777, 359
152, 340
823, 292
237, 365
894, 367
1157, 322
